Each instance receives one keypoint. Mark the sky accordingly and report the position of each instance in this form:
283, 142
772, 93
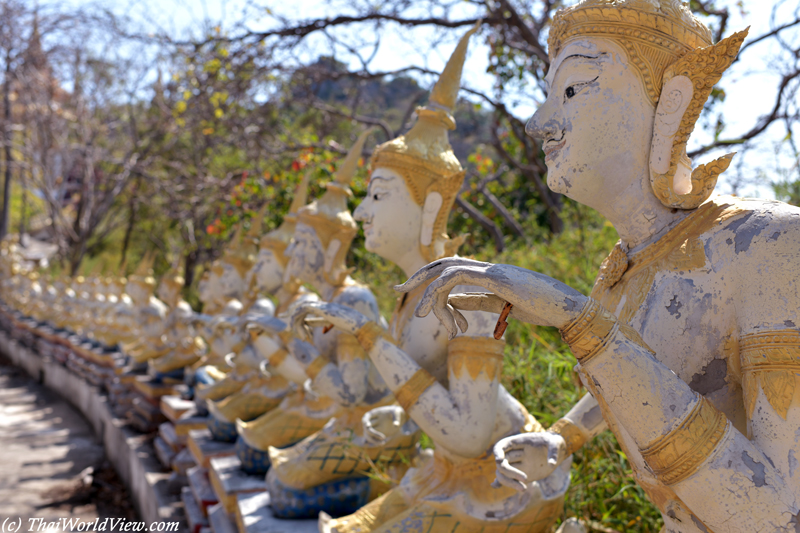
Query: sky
749, 85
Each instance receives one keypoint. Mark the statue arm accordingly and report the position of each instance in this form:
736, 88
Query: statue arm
460, 418
687, 443
344, 380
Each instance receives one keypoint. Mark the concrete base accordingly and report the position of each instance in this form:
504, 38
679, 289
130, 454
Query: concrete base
167, 432
228, 479
201, 488
253, 515
174, 407
131, 454
220, 521
194, 515
204, 448
183, 461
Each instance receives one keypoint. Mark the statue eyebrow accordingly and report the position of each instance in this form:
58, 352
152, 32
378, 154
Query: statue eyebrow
579, 56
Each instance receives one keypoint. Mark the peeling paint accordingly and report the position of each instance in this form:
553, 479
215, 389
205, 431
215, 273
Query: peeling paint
758, 470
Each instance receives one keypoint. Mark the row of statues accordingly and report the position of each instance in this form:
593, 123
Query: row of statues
688, 344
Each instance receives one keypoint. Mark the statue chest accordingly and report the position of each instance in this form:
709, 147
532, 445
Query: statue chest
689, 320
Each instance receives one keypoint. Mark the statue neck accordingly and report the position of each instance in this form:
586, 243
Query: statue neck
410, 261
639, 217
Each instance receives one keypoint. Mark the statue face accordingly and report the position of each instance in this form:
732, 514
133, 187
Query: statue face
168, 293
231, 282
389, 215
596, 124
306, 255
209, 288
268, 271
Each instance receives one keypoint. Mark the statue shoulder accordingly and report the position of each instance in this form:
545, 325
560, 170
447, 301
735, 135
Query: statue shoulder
758, 250
359, 297
753, 229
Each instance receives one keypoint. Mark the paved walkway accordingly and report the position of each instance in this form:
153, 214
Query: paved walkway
51, 465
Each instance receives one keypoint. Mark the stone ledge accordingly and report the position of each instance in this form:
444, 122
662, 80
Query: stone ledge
131, 454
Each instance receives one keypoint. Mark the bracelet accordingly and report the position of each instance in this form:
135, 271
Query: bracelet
369, 333
571, 433
316, 366
408, 393
278, 357
475, 355
680, 453
591, 330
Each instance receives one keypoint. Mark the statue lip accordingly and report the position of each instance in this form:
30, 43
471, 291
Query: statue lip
548, 150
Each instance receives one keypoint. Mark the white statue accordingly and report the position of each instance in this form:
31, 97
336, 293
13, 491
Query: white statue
690, 342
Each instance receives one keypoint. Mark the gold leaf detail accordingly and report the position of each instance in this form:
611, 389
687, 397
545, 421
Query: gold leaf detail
770, 359
680, 453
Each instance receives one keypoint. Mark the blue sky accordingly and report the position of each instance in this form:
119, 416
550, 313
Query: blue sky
749, 85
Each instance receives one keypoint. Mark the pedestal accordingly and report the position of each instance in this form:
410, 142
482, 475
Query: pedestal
228, 479
204, 448
253, 515
219, 520
174, 407
194, 515
201, 488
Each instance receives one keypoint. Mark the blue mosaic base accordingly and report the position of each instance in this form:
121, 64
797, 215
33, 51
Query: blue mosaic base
222, 431
337, 498
253, 460
171, 375
201, 377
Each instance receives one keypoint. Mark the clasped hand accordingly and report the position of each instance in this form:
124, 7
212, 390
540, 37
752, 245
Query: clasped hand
317, 314
537, 299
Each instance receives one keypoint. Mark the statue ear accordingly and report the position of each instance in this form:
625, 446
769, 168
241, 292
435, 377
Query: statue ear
330, 253
676, 96
433, 202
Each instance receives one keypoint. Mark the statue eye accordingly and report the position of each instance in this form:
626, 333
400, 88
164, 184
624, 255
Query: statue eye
572, 90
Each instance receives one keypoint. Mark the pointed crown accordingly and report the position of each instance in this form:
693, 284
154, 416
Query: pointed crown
143, 276
173, 277
424, 157
278, 239
329, 215
663, 39
239, 253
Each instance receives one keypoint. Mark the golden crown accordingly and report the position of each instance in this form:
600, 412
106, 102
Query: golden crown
329, 215
424, 157
240, 253
663, 39
278, 239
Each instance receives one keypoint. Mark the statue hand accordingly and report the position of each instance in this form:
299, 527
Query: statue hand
341, 317
537, 299
383, 423
527, 457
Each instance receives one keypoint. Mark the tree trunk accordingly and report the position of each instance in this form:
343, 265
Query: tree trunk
486, 222
7, 142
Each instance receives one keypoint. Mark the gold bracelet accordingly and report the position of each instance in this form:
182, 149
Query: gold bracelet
278, 357
590, 331
369, 333
316, 366
770, 361
475, 355
571, 433
680, 453
410, 391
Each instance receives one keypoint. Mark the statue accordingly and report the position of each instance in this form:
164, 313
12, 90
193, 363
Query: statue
689, 342
449, 388
301, 481
151, 315
186, 347
298, 415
